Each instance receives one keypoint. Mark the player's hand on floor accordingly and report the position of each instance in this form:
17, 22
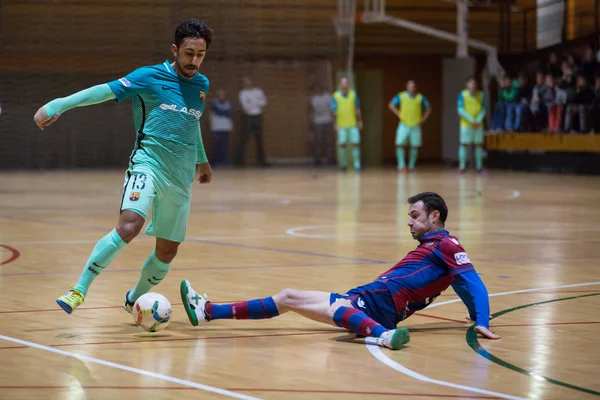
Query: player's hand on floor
204, 172
41, 118
486, 333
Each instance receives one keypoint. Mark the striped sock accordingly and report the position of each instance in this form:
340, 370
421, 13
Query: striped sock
357, 322
253, 309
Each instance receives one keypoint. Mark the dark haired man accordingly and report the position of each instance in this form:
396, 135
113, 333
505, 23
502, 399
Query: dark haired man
373, 310
167, 102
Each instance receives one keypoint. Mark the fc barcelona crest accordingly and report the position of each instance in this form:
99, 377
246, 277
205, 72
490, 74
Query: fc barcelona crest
202, 96
134, 196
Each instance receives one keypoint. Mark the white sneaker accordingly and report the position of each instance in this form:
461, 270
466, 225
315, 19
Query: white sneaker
394, 339
194, 304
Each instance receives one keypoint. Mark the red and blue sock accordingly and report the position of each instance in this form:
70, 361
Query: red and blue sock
357, 322
253, 309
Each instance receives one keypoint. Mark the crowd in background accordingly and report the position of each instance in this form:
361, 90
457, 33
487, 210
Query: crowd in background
565, 97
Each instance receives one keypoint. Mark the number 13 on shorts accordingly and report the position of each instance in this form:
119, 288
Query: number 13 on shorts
138, 193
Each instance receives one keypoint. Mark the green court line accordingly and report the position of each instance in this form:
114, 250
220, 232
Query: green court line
473, 342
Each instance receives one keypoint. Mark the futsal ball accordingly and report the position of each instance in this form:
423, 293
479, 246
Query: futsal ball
152, 312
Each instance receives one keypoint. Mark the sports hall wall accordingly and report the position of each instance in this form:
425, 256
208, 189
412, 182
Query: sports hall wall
285, 47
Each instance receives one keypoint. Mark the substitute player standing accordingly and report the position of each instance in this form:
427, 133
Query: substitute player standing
374, 310
167, 101
348, 123
471, 109
412, 109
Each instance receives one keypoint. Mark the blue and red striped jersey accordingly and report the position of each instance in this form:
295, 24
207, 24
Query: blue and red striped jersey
425, 272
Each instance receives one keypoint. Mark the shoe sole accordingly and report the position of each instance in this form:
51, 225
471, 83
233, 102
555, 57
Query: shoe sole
66, 308
400, 338
183, 290
127, 302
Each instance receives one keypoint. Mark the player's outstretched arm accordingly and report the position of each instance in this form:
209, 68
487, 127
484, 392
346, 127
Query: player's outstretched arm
51, 111
472, 291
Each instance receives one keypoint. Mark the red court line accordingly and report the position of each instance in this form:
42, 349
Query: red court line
429, 395
150, 340
14, 254
442, 318
549, 324
86, 308
329, 332
58, 309
465, 322
219, 302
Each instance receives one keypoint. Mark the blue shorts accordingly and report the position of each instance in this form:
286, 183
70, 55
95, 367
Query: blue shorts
375, 300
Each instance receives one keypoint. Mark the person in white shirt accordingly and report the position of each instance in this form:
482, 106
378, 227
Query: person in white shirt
221, 123
252, 100
322, 120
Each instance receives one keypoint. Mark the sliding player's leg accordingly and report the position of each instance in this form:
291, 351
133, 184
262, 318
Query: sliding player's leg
328, 308
137, 194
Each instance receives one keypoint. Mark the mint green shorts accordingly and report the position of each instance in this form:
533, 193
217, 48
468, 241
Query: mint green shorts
411, 134
170, 203
350, 134
471, 136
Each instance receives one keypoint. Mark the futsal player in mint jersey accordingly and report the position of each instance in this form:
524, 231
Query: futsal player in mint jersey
167, 101
373, 310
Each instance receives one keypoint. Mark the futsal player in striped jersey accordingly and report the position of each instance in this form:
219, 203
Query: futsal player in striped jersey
373, 310
167, 102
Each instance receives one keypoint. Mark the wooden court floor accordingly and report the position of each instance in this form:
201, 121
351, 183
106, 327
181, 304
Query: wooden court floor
535, 239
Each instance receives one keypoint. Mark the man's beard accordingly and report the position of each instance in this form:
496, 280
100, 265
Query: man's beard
188, 70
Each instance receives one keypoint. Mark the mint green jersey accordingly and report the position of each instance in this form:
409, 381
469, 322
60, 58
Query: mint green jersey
166, 114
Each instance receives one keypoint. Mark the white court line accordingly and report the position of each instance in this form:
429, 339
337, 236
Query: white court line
131, 369
381, 356
376, 351
394, 237
443, 303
